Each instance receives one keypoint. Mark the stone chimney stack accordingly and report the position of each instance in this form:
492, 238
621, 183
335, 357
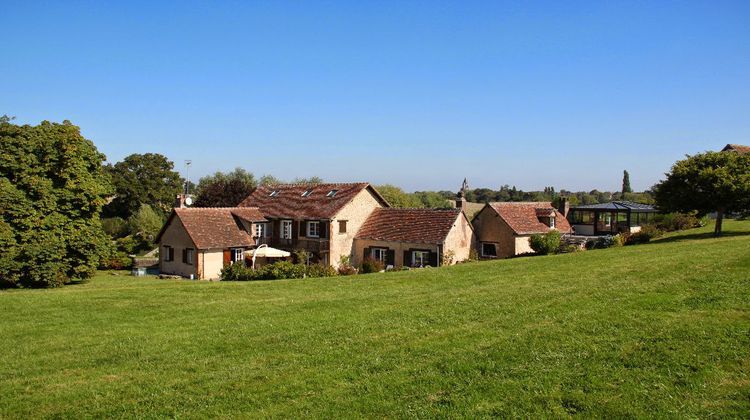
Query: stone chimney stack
461, 196
182, 201
564, 206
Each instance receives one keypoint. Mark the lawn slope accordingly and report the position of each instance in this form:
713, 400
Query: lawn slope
661, 329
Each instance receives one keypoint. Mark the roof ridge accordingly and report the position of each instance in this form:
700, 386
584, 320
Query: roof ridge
304, 184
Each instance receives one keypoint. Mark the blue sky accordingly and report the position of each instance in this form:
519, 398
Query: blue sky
418, 94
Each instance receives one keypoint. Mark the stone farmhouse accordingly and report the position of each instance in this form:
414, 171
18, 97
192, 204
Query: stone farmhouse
330, 221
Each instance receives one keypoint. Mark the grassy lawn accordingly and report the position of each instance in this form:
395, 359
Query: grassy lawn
658, 330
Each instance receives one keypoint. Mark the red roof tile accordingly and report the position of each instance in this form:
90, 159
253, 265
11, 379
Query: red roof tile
523, 217
317, 203
214, 227
736, 148
409, 225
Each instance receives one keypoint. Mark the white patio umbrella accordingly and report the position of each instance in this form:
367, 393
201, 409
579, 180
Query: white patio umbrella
266, 251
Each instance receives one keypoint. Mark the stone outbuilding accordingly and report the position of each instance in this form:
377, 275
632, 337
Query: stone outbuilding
414, 237
198, 242
504, 229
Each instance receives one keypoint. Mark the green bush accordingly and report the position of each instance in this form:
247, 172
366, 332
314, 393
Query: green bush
671, 222
605, 242
345, 266
645, 235
117, 261
370, 265
549, 243
320, 270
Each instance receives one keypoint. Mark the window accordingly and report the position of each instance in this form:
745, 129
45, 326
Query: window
274, 193
332, 193
581, 217
489, 250
261, 230
238, 254
187, 256
286, 229
342, 226
307, 193
380, 254
168, 253
313, 229
552, 222
420, 258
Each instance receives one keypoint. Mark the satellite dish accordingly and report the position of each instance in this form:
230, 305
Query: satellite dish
189, 201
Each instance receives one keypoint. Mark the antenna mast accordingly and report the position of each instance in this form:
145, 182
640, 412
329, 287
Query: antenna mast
188, 162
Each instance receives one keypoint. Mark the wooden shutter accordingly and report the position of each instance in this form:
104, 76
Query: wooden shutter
390, 257
323, 229
407, 258
184, 256
302, 228
433, 259
366, 254
227, 257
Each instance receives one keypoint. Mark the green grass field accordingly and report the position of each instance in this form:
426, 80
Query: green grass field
656, 330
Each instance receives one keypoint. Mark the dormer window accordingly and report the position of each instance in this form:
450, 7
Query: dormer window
274, 193
332, 193
552, 222
307, 193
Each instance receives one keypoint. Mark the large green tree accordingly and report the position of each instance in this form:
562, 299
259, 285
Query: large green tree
626, 183
52, 189
396, 197
707, 182
225, 189
143, 179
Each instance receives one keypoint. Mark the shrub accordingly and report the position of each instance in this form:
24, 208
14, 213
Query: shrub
370, 265
448, 258
549, 243
473, 255
602, 242
645, 235
117, 261
282, 270
320, 270
345, 266
671, 222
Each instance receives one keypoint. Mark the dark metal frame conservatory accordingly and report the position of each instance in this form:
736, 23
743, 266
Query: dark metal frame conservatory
610, 218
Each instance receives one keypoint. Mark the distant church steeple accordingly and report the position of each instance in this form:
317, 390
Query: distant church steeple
461, 196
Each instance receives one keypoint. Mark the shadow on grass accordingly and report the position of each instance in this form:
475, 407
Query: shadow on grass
696, 236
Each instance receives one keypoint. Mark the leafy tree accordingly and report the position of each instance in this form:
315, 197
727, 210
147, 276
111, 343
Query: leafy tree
706, 182
313, 180
145, 223
626, 183
225, 190
396, 197
269, 180
432, 200
52, 189
115, 227
143, 179
6, 118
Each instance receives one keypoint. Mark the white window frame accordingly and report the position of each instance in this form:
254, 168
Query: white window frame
552, 222
313, 233
306, 193
189, 256
274, 193
238, 254
482, 249
286, 229
261, 230
383, 254
332, 193
424, 258
168, 253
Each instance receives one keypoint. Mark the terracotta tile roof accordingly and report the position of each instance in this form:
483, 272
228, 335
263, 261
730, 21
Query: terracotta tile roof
214, 227
301, 201
409, 225
523, 217
736, 148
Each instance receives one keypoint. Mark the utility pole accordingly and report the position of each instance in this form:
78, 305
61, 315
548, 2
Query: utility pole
188, 162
